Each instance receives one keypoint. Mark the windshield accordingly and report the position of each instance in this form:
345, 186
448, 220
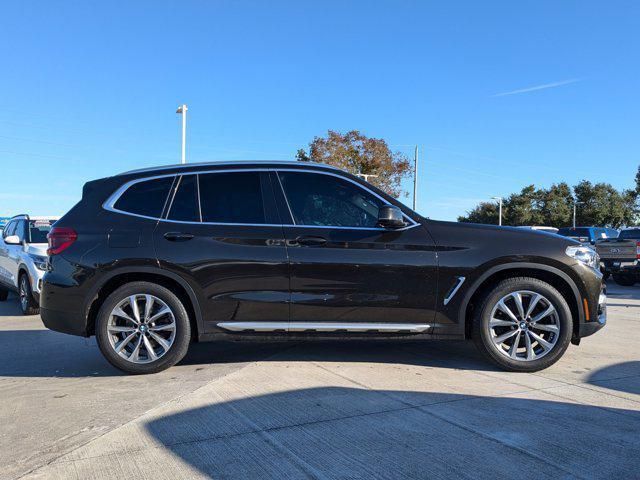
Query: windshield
574, 232
633, 234
38, 230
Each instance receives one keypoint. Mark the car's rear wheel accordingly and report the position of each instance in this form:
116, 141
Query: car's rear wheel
143, 327
523, 324
28, 305
624, 279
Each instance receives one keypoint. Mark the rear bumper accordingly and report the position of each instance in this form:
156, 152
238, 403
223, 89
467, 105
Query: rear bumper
621, 266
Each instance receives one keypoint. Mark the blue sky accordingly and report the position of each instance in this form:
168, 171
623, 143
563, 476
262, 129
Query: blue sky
496, 94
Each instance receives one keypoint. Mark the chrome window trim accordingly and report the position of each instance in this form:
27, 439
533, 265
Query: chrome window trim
460, 281
109, 203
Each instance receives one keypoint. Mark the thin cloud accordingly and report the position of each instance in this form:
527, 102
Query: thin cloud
544, 86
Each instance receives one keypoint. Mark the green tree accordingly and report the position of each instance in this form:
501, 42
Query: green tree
485, 212
359, 154
601, 204
556, 205
522, 208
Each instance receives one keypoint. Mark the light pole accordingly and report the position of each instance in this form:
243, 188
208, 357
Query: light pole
183, 110
367, 176
499, 209
415, 178
575, 202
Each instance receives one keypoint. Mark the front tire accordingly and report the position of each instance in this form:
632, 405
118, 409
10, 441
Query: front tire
28, 305
523, 325
624, 279
143, 328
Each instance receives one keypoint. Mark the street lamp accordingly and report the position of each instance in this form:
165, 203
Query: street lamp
183, 110
575, 202
499, 209
367, 176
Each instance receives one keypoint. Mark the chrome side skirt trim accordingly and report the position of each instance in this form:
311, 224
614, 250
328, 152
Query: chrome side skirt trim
324, 327
455, 289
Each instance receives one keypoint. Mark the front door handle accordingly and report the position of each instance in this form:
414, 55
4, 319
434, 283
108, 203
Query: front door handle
178, 236
311, 241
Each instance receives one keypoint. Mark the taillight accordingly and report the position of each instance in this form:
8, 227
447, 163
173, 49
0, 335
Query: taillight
60, 238
638, 250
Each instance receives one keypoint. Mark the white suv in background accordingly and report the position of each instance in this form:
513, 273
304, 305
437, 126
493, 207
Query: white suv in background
23, 259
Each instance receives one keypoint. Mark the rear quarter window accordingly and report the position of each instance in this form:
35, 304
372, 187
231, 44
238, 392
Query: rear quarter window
146, 198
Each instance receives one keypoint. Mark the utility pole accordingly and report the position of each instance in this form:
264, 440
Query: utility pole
183, 110
499, 209
415, 178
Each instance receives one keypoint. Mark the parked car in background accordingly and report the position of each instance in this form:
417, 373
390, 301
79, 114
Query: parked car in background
620, 256
588, 235
541, 228
149, 260
23, 259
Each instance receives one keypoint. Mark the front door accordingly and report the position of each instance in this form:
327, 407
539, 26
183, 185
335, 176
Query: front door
222, 233
344, 268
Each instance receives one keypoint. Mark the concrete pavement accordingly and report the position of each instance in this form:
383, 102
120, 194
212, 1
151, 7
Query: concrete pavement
320, 410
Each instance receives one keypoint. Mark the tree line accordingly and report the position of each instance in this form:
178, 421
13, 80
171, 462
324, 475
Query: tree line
598, 204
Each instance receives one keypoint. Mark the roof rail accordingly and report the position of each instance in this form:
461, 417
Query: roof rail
225, 163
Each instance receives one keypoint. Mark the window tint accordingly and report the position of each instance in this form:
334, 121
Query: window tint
185, 202
145, 198
38, 230
232, 197
632, 234
325, 200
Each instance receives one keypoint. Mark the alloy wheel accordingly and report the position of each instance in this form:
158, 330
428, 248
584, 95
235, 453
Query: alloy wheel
24, 293
141, 328
524, 326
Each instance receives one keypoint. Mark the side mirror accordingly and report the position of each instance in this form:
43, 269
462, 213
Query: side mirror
390, 216
12, 240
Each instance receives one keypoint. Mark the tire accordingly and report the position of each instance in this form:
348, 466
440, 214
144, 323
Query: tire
625, 280
28, 305
4, 294
555, 342
142, 361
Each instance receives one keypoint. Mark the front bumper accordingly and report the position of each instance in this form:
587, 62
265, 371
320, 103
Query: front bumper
589, 328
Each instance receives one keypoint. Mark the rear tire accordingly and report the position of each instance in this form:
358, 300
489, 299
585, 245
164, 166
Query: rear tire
139, 339
540, 339
624, 279
28, 305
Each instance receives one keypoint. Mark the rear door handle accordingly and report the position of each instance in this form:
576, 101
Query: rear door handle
178, 236
311, 241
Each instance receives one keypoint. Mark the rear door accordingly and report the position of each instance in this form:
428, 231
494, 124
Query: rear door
344, 268
222, 233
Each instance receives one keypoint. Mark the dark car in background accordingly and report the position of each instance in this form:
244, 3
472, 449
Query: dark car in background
620, 256
152, 259
588, 235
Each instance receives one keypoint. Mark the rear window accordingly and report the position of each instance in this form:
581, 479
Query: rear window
630, 234
574, 232
145, 198
38, 230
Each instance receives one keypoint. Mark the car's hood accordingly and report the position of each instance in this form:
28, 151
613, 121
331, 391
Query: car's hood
37, 249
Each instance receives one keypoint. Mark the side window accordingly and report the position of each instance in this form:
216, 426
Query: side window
185, 202
325, 200
145, 198
20, 224
231, 197
9, 229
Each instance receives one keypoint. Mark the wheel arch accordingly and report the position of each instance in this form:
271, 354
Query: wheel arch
554, 276
167, 279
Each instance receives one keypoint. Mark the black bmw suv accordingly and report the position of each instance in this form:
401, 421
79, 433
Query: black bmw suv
153, 259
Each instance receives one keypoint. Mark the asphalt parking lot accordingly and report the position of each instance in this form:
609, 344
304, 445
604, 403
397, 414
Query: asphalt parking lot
320, 410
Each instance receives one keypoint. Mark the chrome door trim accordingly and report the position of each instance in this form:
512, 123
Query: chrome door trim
460, 281
324, 327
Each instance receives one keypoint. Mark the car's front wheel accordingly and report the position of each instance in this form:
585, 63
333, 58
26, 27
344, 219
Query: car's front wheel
523, 324
28, 305
143, 327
